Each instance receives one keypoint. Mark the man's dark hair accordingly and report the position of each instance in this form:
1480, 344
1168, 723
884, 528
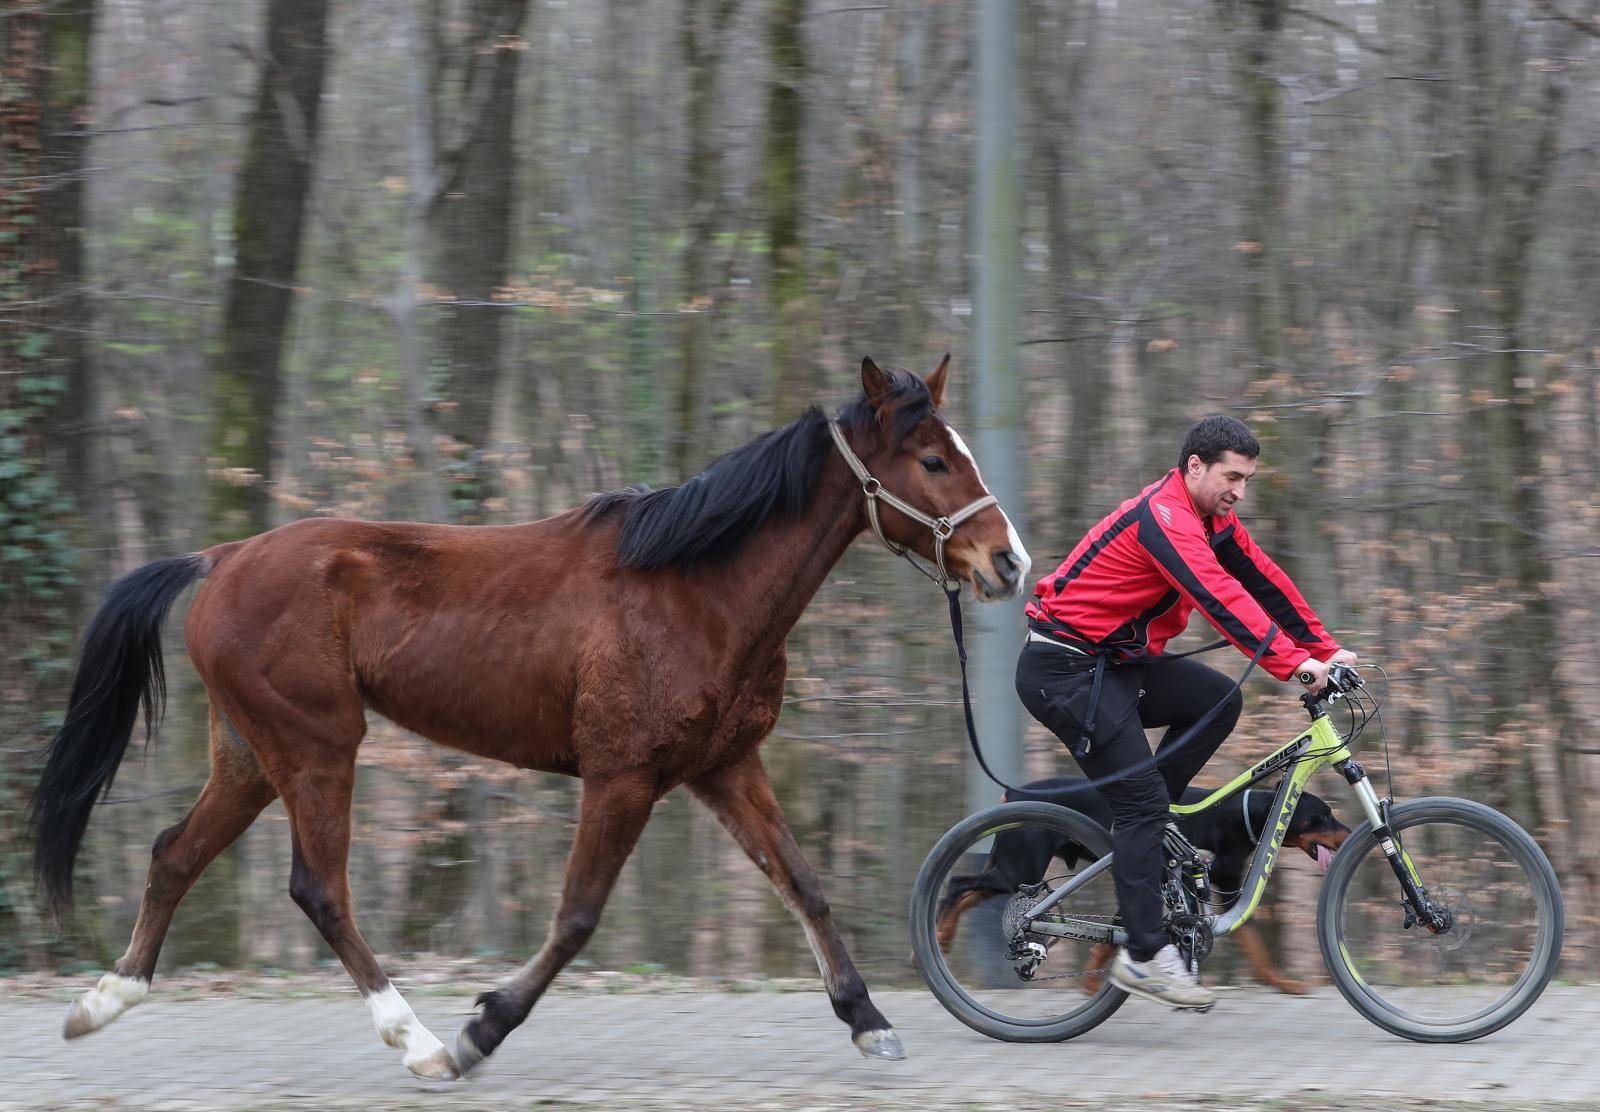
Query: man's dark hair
1213, 435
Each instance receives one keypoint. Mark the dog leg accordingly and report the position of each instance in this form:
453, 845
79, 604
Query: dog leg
950, 917
1094, 974
1255, 949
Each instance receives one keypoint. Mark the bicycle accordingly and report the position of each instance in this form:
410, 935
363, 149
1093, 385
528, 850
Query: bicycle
1426, 936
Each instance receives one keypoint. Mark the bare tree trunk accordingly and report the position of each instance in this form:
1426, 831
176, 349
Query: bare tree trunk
65, 122
1522, 408
403, 304
473, 212
794, 341
269, 212
1255, 27
268, 215
702, 39
632, 71
45, 388
1055, 87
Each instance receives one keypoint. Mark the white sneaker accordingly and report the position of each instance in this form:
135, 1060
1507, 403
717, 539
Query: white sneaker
1164, 978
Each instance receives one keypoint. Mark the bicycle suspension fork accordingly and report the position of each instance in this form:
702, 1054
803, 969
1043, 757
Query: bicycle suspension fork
1418, 906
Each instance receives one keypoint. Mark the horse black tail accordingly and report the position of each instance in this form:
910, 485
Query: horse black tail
119, 668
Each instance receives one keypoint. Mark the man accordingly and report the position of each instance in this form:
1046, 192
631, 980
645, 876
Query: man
1125, 589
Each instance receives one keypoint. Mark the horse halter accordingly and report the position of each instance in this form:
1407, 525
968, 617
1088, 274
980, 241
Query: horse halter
942, 527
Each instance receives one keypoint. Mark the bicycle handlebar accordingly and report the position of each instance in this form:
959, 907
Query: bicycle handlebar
1341, 678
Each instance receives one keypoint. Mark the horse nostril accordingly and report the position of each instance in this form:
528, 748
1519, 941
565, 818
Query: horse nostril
1006, 563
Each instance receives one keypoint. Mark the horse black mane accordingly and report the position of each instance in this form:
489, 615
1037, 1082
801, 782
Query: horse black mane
709, 516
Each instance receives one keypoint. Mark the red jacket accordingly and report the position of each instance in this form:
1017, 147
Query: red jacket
1132, 583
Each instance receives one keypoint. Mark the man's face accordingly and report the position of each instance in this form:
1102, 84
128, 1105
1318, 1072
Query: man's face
1216, 488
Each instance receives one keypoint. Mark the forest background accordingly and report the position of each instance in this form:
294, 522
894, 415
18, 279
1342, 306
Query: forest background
472, 260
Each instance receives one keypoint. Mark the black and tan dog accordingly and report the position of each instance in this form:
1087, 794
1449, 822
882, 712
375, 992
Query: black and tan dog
1228, 832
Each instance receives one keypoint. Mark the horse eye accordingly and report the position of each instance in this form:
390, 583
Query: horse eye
934, 464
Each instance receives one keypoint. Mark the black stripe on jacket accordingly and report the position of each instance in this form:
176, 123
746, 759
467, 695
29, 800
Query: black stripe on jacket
1160, 546
1272, 599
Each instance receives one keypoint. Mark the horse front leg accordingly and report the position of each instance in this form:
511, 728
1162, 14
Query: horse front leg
611, 816
741, 797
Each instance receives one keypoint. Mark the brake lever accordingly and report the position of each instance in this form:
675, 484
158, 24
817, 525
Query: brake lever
1341, 679
1345, 677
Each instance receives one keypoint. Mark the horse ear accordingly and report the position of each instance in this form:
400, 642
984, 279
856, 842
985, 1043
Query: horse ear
936, 381
875, 382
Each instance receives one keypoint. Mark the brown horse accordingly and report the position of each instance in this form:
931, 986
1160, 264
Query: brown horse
636, 642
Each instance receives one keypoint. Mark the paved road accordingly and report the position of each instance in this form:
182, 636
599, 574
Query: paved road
785, 1050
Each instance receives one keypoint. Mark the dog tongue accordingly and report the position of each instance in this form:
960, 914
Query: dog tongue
1324, 858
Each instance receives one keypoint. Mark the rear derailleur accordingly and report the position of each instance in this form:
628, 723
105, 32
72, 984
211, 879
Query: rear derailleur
1025, 951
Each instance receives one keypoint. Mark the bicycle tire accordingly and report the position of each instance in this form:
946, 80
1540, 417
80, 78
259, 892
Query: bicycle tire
925, 899
1542, 881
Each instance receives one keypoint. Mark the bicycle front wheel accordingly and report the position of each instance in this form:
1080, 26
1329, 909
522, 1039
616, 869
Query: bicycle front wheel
1504, 937
972, 938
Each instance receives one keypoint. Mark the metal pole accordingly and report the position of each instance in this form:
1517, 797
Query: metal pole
997, 387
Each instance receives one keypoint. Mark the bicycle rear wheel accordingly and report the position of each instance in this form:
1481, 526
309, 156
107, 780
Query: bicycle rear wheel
1503, 942
966, 909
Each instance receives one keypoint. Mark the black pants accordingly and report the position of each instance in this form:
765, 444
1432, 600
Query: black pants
1054, 685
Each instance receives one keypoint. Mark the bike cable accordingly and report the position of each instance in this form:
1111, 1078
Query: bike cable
1377, 714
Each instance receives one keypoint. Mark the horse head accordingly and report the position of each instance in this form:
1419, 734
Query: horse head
916, 458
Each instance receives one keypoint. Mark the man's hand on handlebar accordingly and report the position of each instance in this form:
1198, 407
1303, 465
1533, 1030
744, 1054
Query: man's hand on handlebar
1329, 677
1313, 674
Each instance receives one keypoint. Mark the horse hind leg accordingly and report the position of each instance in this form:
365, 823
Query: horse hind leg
318, 883
235, 793
317, 794
611, 816
742, 798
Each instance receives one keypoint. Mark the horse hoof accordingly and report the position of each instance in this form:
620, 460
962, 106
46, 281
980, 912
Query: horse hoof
437, 1066
880, 1044
103, 1003
78, 1021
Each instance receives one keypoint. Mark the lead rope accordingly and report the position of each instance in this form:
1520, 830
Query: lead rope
953, 594
942, 528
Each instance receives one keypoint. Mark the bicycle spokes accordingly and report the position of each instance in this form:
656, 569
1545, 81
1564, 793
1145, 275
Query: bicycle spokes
1459, 939
1021, 933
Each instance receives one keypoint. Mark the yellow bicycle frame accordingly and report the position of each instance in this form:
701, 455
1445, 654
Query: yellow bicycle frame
1317, 747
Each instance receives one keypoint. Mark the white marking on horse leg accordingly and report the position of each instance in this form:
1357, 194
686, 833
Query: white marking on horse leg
1012, 539
828, 981
872, 1044
399, 1026
114, 995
